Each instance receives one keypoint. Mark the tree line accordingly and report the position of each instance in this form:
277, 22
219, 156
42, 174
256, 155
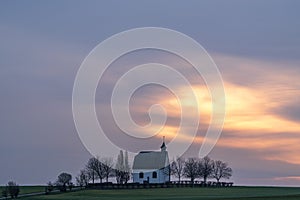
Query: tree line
193, 168
98, 170
103, 169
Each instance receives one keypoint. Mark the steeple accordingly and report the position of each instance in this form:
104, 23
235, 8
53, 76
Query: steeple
163, 147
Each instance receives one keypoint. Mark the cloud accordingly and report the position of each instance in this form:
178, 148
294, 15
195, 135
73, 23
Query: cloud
290, 111
40, 56
259, 96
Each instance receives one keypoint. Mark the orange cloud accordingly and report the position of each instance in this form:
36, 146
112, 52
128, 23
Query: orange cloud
251, 119
249, 109
250, 112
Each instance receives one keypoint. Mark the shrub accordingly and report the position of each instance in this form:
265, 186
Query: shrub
13, 189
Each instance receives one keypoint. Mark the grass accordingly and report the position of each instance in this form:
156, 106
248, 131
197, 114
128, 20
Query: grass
28, 189
233, 193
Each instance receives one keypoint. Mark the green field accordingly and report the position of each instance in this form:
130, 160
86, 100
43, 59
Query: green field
234, 193
28, 189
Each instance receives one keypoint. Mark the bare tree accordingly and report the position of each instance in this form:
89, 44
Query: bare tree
122, 170
91, 168
205, 168
126, 168
83, 178
190, 169
96, 169
99, 170
177, 167
220, 170
120, 167
64, 180
107, 167
11, 189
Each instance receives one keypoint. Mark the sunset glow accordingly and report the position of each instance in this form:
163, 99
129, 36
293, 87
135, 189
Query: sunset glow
250, 122
87, 79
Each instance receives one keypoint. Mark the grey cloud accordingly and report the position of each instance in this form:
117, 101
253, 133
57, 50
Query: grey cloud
290, 112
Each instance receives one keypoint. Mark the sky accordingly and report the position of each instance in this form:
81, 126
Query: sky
255, 44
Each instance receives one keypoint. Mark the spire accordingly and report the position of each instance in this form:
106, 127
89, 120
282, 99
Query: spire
163, 147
